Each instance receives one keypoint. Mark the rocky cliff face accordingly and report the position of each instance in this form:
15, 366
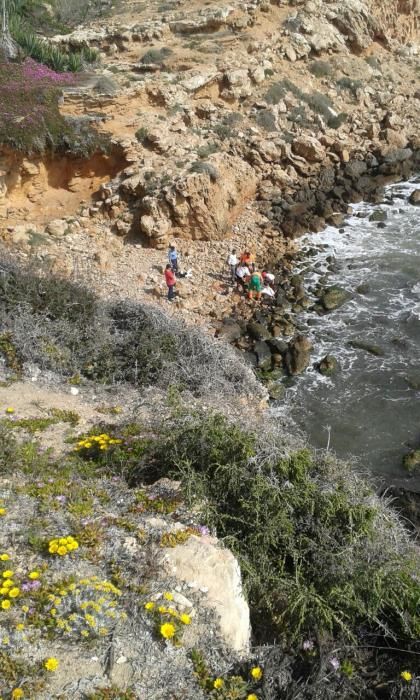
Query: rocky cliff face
254, 120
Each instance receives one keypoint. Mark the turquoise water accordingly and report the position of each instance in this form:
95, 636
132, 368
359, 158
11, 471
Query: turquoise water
370, 410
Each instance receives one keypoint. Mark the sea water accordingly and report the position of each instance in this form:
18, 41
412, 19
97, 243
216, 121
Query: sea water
370, 409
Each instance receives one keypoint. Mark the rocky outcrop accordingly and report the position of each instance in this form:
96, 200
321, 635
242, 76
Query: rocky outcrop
204, 205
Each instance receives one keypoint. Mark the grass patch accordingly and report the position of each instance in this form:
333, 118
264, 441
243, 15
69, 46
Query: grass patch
316, 101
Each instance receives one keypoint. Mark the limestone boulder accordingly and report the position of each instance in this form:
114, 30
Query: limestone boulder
309, 148
298, 355
204, 565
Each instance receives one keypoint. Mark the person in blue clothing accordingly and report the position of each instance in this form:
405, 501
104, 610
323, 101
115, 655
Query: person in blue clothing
173, 258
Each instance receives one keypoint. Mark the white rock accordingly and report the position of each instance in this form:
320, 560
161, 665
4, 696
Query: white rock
74, 391
203, 564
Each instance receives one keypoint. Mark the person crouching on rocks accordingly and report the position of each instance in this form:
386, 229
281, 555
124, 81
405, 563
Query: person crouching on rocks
255, 286
170, 280
242, 275
173, 258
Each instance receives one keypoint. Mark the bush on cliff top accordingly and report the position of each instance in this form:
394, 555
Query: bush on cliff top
63, 327
326, 563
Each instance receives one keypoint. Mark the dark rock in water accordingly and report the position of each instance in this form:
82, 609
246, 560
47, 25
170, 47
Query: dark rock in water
334, 297
411, 462
381, 225
378, 215
328, 366
258, 331
278, 346
230, 331
414, 197
368, 347
275, 390
363, 288
263, 354
413, 382
298, 355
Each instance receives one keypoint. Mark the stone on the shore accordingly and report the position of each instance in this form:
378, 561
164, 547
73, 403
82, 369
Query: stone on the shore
230, 331
263, 354
298, 355
258, 331
334, 297
415, 198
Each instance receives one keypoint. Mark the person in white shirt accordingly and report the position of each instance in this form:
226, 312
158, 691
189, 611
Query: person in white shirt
242, 273
233, 261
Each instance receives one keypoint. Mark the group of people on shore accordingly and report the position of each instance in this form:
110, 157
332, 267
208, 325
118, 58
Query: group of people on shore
247, 278
242, 271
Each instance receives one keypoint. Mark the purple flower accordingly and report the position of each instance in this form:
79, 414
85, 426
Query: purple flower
204, 530
307, 645
34, 585
61, 499
26, 586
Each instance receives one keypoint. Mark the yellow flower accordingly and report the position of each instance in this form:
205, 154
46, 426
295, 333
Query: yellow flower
14, 592
218, 683
25, 608
62, 551
34, 575
10, 410
167, 630
88, 445
162, 609
185, 619
17, 693
20, 627
149, 606
406, 676
252, 696
168, 596
256, 673
3, 511
53, 612
53, 548
5, 604
7, 574
51, 664
8, 583
4, 557
84, 633
3, 590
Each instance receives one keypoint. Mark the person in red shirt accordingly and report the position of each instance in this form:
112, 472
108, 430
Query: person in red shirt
170, 281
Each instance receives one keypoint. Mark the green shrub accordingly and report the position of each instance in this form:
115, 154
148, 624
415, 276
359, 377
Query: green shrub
156, 56
321, 69
205, 168
349, 84
63, 327
318, 551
